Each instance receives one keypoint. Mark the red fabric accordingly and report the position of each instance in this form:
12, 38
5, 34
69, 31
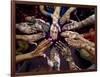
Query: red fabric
91, 36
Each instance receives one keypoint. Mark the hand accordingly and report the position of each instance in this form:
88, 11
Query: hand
66, 52
70, 34
73, 39
30, 19
38, 26
42, 47
42, 25
77, 41
54, 31
70, 26
64, 19
66, 16
25, 28
44, 55
31, 38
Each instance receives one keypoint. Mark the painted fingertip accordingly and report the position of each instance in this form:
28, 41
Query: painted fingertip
59, 41
62, 34
51, 42
66, 39
44, 39
50, 39
56, 42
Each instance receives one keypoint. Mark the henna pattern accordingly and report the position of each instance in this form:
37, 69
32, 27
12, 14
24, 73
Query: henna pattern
66, 52
76, 40
77, 25
35, 29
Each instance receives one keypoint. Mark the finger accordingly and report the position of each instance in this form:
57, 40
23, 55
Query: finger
38, 36
65, 34
59, 45
41, 45
70, 34
63, 50
62, 44
42, 50
87, 41
46, 47
46, 41
63, 47
71, 26
31, 38
20, 37
73, 43
44, 11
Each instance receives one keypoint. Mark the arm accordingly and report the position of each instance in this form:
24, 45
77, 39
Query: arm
43, 11
77, 25
77, 41
66, 53
33, 37
41, 48
66, 16
23, 57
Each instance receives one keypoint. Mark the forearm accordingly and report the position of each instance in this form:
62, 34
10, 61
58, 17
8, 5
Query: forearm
92, 44
84, 54
22, 37
88, 21
66, 16
70, 10
72, 65
43, 11
23, 57
55, 16
77, 25
57, 12
89, 49
40, 50
88, 45
33, 37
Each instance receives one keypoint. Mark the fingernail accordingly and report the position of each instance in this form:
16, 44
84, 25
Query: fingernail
50, 43
50, 39
66, 39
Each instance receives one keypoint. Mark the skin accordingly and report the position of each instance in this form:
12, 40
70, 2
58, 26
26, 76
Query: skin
55, 28
66, 16
70, 26
77, 25
43, 10
36, 26
54, 32
77, 41
30, 19
41, 48
54, 57
65, 51
33, 37
25, 28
